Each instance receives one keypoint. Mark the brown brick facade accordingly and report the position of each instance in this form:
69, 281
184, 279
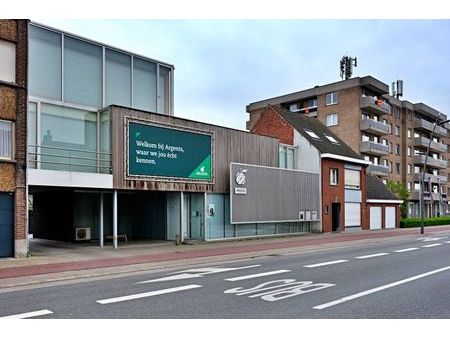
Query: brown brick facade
13, 107
272, 124
332, 194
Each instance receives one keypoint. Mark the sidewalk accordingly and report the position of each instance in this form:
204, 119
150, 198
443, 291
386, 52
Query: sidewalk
92, 261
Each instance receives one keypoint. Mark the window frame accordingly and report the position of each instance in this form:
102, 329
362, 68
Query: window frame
286, 148
10, 74
334, 98
334, 176
13, 141
350, 186
334, 121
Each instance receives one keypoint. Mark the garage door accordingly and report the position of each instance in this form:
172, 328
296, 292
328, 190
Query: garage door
375, 218
352, 215
389, 217
6, 225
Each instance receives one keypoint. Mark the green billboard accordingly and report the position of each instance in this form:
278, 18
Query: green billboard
160, 151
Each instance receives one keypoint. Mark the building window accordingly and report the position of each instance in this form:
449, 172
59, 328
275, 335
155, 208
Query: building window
293, 107
365, 138
384, 181
385, 163
409, 186
164, 90
409, 133
397, 112
416, 186
397, 168
7, 61
397, 149
410, 115
409, 169
352, 179
332, 120
286, 157
416, 169
6, 140
331, 98
390, 128
409, 151
312, 134
390, 147
390, 167
334, 176
118, 78
397, 131
144, 84
385, 121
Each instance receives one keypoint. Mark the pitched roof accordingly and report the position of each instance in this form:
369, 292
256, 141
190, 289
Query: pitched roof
303, 124
376, 190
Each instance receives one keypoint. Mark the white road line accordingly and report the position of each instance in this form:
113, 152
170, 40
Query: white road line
147, 294
406, 250
431, 245
28, 314
373, 255
256, 275
325, 263
380, 288
447, 242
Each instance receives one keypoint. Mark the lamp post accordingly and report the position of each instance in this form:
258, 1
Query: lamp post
422, 181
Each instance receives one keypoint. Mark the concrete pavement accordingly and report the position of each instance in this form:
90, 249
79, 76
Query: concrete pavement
77, 261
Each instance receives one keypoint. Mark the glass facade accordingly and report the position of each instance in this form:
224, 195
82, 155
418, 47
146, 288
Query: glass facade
144, 84
118, 78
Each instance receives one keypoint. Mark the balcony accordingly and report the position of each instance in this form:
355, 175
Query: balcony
378, 170
373, 148
422, 142
374, 127
369, 105
432, 162
437, 179
422, 124
415, 195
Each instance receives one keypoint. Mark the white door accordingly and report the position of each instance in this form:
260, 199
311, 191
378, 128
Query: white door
375, 218
389, 217
352, 214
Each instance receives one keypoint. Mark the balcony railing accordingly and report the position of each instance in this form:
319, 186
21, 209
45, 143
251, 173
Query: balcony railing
422, 124
378, 170
431, 162
69, 159
438, 179
374, 127
369, 104
422, 142
374, 148
429, 196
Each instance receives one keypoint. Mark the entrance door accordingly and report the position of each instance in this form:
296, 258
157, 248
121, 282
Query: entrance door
335, 216
375, 218
6, 225
389, 217
196, 206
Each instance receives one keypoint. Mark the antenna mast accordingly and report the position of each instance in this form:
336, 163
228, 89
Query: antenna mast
346, 66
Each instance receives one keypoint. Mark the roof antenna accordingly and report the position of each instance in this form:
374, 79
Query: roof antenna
397, 89
346, 66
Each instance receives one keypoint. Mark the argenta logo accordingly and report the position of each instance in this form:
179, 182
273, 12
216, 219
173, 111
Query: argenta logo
201, 172
138, 133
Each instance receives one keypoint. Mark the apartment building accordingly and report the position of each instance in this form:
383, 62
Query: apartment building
391, 134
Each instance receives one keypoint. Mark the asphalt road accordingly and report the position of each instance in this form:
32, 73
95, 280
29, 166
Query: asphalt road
404, 278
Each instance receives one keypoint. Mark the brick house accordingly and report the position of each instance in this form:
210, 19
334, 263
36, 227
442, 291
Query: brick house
307, 144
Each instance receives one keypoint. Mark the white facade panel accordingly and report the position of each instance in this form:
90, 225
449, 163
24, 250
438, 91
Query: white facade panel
57, 178
375, 218
352, 214
389, 217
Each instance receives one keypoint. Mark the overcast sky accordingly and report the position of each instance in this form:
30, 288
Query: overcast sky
221, 66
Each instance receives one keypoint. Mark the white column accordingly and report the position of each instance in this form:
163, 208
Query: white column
115, 219
101, 219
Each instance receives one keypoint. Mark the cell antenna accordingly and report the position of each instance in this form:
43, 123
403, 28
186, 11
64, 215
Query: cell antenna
346, 66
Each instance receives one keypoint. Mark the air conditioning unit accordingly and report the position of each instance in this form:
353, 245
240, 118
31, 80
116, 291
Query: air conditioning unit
82, 234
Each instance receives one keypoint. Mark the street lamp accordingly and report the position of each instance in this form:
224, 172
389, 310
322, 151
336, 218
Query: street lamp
422, 181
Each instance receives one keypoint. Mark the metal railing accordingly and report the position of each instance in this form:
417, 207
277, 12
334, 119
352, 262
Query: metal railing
69, 159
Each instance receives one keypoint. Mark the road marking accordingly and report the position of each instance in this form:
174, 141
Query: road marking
447, 242
373, 255
431, 245
147, 294
430, 239
28, 314
196, 273
380, 288
325, 263
269, 273
406, 250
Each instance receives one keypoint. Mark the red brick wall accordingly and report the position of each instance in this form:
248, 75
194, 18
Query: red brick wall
332, 194
272, 124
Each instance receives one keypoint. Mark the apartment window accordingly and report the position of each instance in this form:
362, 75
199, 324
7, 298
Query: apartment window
385, 121
334, 176
312, 103
417, 186
409, 186
144, 84
385, 163
409, 169
293, 107
416, 169
390, 147
6, 139
397, 131
286, 157
390, 128
332, 120
409, 133
397, 149
397, 168
384, 141
365, 138
397, 112
331, 98
7, 61
390, 167
409, 151
364, 116
352, 179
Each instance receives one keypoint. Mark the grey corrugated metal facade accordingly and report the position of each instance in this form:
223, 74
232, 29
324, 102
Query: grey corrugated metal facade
273, 194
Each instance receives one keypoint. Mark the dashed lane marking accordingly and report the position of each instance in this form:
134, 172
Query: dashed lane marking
256, 275
431, 245
380, 288
147, 294
406, 250
325, 263
448, 242
372, 255
28, 314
